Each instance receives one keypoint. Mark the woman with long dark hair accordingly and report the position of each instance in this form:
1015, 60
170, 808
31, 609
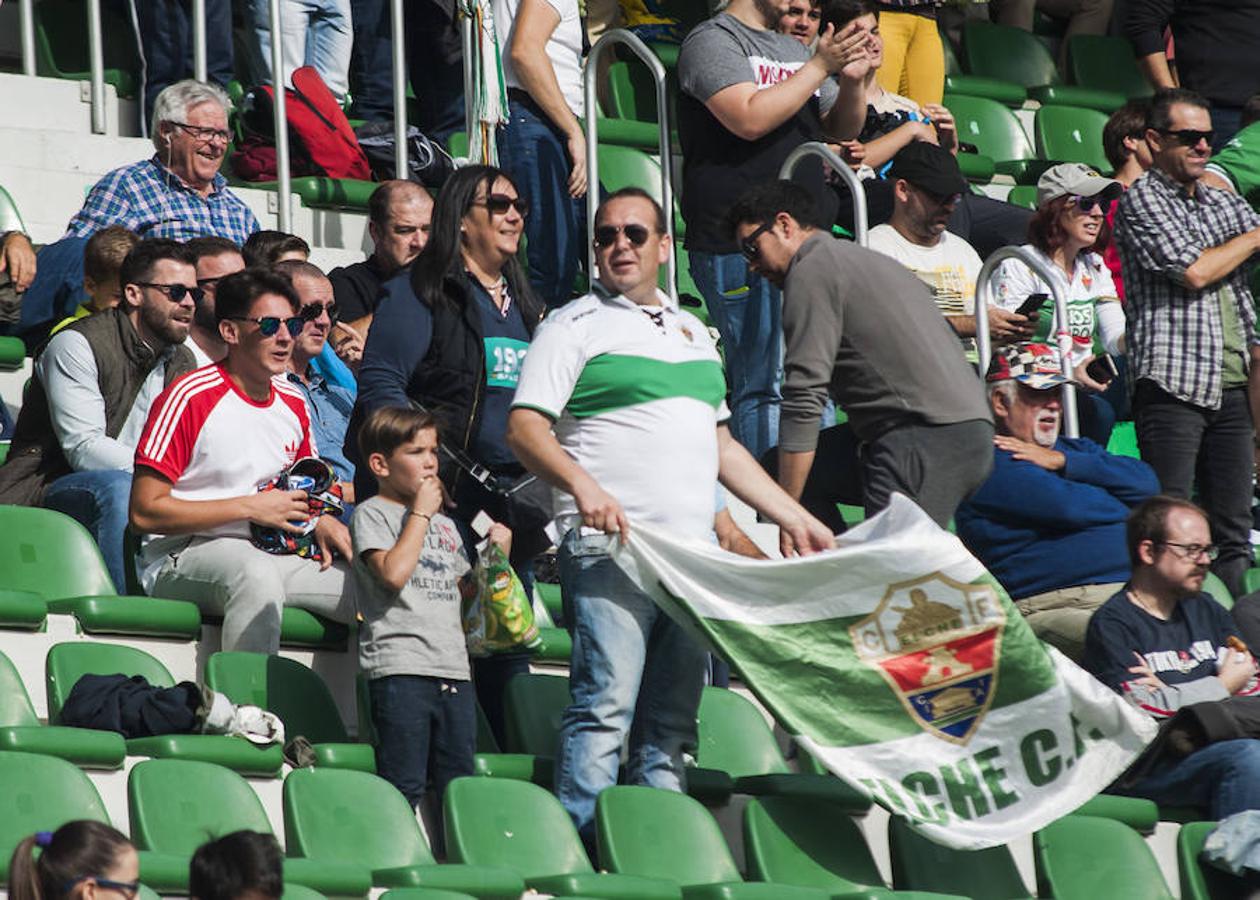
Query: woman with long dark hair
1068, 233
81, 860
450, 335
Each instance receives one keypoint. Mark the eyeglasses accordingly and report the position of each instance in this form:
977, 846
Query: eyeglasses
1191, 552
499, 204
268, 326
1086, 204
748, 246
130, 888
176, 292
606, 235
311, 311
204, 135
204, 283
1188, 137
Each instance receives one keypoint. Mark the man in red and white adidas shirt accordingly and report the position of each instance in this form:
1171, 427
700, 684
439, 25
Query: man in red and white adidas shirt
211, 440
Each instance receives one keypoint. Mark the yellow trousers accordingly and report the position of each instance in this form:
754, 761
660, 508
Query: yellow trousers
914, 63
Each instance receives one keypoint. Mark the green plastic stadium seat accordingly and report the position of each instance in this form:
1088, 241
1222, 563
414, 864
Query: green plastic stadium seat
52, 555
1220, 593
997, 134
177, 805
1251, 580
1139, 814
976, 167
21, 730
302, 629
1012, 54
1068, 134
811, 843
1106, 63
1124, 440
340, 815
1024, 195
734, 738
421, 894
1200, 881
532, 707
321, 192
918, 864
549, 594
630, 822
1085, 857
524, 828
12, 355
627, 167
556, 646
10, 219
958, 82
298, 696
22, 610
68, 662
41, 793
61, 44
631, 92
144, 616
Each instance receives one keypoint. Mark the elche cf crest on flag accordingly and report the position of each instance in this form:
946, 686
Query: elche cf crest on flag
898, 662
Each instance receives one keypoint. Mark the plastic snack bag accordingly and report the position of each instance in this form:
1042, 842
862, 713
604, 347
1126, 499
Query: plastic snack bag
499, 615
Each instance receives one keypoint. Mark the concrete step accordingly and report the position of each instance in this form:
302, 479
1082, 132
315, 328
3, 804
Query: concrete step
52, 103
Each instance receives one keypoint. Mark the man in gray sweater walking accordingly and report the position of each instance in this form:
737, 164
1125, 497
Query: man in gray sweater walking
861, 327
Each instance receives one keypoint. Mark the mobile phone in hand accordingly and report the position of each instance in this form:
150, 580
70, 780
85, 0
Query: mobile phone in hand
1102, 369
1032, 306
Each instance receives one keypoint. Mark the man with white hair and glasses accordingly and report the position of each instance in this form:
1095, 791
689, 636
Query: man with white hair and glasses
177, 193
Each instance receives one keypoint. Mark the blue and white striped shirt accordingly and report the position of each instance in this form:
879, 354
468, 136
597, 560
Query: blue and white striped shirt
152, 201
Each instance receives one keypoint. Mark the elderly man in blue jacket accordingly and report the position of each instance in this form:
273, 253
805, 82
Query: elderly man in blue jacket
1049, 522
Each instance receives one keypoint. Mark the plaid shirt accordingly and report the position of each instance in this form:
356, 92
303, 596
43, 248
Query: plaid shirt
152, 201
1174, 333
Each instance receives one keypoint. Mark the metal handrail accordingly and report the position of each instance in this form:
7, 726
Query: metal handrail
199, 40
1063, 337
398, 58
283, 179
96, 63
26, 12
591, 108
466, 37
816, 148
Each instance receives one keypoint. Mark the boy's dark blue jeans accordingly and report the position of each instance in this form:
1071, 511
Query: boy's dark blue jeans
426, 730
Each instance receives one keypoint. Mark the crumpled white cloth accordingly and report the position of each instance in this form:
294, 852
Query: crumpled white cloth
250, 722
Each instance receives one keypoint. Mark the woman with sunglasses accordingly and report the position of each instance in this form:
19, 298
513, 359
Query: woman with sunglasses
81, 860
1068, 233
450, 335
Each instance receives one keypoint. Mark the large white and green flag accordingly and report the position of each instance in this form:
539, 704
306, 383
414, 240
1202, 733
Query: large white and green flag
902, 665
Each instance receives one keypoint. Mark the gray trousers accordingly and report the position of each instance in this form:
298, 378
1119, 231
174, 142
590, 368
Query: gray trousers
937, 466
230, 577
1060, 617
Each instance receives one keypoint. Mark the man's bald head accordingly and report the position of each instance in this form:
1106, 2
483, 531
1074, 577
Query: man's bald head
399, 213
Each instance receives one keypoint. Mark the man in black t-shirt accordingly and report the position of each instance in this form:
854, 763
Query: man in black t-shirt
398, 223
1165, 644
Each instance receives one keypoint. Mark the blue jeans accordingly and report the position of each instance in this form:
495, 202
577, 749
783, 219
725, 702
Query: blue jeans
633, 670
56, 290
312, 32
534, 154
166, 42
98, 501
426, 732
747, 310
1223, 777
371, 59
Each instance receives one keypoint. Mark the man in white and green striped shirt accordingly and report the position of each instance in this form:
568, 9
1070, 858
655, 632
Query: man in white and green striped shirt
620, 406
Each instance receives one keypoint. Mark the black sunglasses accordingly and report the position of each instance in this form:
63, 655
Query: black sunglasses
176, 292
1188, 137
499, 204
130, 888
606, 235
269, 325
748, 246
1087, 204
310, 311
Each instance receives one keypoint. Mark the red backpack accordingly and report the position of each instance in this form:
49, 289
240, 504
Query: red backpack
321, 141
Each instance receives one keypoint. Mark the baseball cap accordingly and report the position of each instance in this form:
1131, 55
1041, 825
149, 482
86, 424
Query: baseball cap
1077, 179
1033, 364
929, 168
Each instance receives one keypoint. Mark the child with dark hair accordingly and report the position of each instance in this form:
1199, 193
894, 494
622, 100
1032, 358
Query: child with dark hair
243, 865
81, 860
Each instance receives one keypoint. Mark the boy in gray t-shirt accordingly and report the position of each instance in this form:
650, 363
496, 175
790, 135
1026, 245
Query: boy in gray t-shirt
410, 568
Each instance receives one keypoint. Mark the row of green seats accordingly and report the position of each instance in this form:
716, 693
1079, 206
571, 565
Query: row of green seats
1063, 134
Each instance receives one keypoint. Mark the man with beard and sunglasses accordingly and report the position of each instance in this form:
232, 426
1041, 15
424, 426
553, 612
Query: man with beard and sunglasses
93, 385
1186, 250
215, 441
621, 407
329, 404
862, 329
